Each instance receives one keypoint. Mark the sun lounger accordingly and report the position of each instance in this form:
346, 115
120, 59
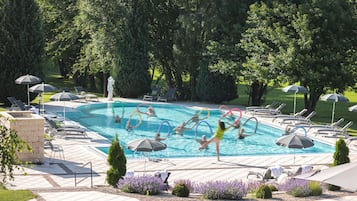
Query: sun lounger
268, 111
164, 176
283, 116
333, 132
295, 121
270, 106
155, 93
56, 129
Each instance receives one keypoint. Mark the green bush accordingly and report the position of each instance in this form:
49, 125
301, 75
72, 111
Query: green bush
117, 162
181, 190
299, 191
331, 187
264, 192
340, 157
273, 187
315, 188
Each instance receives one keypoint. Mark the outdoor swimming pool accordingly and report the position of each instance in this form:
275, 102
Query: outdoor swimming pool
100, 118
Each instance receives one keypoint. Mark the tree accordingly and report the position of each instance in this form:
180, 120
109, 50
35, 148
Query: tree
117, 162
300, 42
10, 145
214, 86
131, 73
62, 36
22, 42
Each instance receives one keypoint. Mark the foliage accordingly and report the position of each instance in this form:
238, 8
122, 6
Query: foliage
252, 186
16, 195
146, 185
296, 187
215, 87
264, 192
181, 190
341, 153
187, 183
10, 145
216, 190
315, 188
117, 162
289, 42
273, 187
131, 74
22, 42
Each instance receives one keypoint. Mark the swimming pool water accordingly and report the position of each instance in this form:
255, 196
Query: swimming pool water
100, 118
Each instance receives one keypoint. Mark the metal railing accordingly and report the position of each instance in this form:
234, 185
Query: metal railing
84, 178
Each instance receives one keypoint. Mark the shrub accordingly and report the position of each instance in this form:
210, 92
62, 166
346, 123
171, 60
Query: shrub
315, 188
117, 162
181, 190
340, 157
146, 185
229, 190
296, 187
264, 192
187, 183
253, 186
273, 187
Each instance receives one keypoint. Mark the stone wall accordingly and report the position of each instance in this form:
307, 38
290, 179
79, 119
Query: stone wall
30, 128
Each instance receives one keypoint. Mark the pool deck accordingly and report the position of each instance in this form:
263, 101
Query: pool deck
54, 180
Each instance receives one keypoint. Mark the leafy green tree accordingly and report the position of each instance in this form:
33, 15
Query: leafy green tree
21, 45
162, 27
131, 74
117, 162
62, 36
99, 22
10, 145
299, 42
214, 86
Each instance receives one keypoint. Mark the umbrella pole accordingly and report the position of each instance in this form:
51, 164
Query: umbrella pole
28, 95
333, 111
295, 102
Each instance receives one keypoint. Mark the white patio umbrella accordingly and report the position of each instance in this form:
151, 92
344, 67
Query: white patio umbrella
40, 88
295, 89
334, 98
146, 145
353, 108
344, 175
28, 79
295, 141
64, 96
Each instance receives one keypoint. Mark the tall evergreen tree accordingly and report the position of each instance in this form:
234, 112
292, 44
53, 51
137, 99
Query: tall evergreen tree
131, 74
21, 45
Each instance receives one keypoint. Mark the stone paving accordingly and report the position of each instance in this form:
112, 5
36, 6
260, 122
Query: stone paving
79, 153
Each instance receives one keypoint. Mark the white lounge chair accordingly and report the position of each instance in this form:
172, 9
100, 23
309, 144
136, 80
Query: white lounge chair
295, 121
270, 173
268, 111
270, 106
296, 115
333, 132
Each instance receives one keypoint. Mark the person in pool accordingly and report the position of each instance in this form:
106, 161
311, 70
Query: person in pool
241, 134
158, 137
150, 112
180, 129
202, 141
117, 119
217, 137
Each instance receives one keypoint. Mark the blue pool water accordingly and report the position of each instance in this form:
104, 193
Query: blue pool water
100, 118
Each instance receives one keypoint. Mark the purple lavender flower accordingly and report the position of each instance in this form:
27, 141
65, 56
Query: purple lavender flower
186, 182
296, 187
141, 184
231, 190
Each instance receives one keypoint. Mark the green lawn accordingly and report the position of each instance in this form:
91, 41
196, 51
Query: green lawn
323, 109
15, 195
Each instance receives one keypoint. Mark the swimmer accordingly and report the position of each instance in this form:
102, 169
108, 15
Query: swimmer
128, 127
202, 141
241, 134
150, 112
117, 119
158, 138
181, 128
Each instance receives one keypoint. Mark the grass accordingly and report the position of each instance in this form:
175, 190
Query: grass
15, 195
323, 108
